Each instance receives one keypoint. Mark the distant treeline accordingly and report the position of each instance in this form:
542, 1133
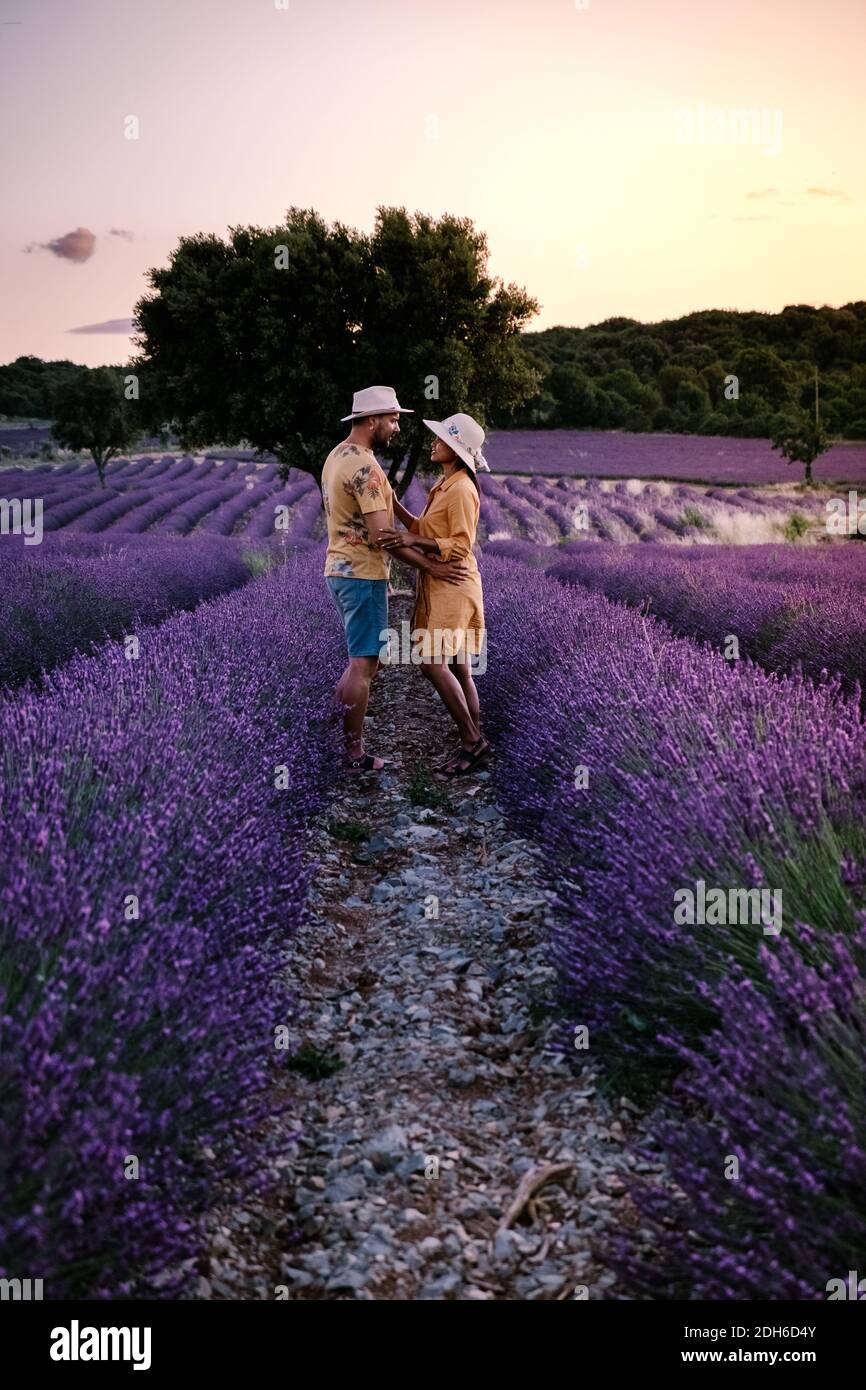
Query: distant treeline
673, 375
714, 372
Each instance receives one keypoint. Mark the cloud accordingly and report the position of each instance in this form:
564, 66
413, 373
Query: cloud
75, 246
757, 217
122, 326
841, 194
762, 193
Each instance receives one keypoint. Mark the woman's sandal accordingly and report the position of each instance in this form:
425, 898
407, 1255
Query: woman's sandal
366, 763
468, 758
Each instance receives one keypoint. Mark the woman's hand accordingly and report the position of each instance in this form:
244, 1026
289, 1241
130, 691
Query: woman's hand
389, 538
452, 571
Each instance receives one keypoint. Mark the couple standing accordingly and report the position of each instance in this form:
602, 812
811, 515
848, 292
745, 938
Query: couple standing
361, 506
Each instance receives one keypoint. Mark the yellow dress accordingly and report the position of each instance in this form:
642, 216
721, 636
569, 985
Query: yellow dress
452, 615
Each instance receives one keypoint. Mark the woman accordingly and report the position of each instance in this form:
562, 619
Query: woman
448, 620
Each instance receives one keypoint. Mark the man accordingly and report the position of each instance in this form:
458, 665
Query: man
359, 505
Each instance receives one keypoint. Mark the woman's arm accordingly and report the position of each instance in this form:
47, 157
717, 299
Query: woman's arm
388, 539
452, 571
402, 514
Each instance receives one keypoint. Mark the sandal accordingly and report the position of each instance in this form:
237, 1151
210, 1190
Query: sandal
468, 758
366, 763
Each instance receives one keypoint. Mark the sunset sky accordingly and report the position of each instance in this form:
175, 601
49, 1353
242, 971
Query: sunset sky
598, 147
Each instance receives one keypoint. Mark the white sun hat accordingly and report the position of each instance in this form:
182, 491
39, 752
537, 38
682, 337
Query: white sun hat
465, 436
376, 400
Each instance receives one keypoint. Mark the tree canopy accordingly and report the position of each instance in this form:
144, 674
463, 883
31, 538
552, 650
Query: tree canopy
266, 336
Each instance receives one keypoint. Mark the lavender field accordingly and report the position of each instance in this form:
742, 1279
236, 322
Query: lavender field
170, 495
180, 496
686, 458
554, 453
785, 608
674, 688
143, 928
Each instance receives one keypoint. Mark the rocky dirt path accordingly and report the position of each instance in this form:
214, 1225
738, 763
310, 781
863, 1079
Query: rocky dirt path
446, 1151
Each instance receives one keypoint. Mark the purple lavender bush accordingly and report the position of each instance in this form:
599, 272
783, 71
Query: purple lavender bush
61, 597
693, 772
153, 870
779, 1089
644, 765
263, 521
801, 610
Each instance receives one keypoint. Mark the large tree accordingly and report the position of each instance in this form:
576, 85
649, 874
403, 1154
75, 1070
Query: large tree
265, 337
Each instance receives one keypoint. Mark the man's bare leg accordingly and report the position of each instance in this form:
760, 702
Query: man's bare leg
353, 689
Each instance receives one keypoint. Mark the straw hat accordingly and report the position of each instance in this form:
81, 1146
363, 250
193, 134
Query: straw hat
376, 400
465, 436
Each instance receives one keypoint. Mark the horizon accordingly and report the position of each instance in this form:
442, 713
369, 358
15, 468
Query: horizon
572, 327
711, 178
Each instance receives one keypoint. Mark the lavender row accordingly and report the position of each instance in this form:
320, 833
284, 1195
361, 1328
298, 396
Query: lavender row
153, 815
545, 513
649, 769
735, 598
56, 599
235, 505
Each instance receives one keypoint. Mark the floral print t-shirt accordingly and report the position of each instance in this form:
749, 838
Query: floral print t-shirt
353, 483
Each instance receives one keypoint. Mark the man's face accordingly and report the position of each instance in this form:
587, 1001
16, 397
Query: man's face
384, 429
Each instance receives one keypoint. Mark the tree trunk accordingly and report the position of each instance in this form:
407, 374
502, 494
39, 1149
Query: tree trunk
409, 471
393, 470
287, 459
311, 466
808, 472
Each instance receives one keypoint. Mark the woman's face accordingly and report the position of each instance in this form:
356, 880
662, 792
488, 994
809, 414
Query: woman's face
440, 452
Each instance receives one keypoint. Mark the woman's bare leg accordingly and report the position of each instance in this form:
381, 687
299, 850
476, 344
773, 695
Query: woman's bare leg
450, 691
462, 672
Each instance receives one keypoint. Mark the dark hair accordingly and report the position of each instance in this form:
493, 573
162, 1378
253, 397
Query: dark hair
465, 466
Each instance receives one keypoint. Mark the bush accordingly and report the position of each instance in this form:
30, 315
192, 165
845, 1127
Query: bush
68, 593
151, 1033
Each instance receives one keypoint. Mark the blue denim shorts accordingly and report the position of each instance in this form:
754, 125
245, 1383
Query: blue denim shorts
363, 606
